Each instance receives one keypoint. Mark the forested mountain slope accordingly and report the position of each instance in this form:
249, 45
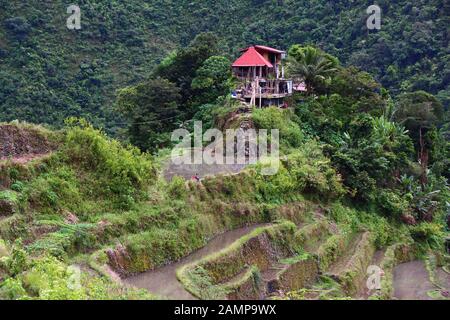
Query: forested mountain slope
48, 72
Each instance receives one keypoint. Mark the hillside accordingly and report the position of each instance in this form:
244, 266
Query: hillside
339, 191
105, 210
49, 72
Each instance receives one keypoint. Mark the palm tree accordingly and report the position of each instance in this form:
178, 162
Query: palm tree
385, 129
311, 65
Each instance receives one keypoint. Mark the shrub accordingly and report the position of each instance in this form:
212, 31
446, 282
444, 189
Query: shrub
275, 118
17, 186
306, 170
277, 187
391, 203
203, 285
3, 249
8, 202
18, 26
12, 289
80, 236
176, 187
312, 171
428, 233
9, 196
18, 260
50, 279
121, 171
56, 189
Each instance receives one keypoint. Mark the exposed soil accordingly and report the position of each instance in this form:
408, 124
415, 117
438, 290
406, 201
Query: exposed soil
22, 144
163, 281
443, 278
340, 264
378, 257
26, 158
271, 273
7, 208
236, 277
411, 281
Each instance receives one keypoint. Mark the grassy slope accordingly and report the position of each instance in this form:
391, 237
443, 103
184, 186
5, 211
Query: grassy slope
93, 194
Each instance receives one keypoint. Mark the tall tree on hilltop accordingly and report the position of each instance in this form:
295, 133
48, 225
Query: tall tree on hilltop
152, 109
213, 79
181, 66
420, 112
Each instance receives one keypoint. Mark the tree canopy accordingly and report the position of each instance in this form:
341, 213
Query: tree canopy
48, 73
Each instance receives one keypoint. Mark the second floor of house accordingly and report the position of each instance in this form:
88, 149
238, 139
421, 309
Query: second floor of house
259, 62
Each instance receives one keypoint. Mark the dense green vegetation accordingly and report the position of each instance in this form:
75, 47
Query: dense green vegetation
176, 90
95, 202
366, 154
49, 72
93, 193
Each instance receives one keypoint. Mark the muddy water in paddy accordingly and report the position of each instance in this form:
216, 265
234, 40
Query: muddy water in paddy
163, 281
411, 281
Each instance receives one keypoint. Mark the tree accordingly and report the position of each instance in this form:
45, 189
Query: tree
152, 109
181, 67
371, 155
311, 65
212, 80
181, 83
420, 112
360, 92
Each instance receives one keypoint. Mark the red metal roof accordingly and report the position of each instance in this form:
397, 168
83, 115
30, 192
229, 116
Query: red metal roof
263, 48
252, 58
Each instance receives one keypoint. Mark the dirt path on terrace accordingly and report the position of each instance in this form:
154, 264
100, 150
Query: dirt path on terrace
187, 171
411, 281
21, 144
163, 281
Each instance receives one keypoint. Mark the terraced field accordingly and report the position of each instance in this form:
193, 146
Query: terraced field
271, 261
163, 281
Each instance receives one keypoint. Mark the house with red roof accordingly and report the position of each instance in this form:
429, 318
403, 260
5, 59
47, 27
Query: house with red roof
261, 76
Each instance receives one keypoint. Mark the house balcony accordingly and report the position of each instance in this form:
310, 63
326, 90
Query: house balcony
265, 88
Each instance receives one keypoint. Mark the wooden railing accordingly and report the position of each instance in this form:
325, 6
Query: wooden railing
266, 87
